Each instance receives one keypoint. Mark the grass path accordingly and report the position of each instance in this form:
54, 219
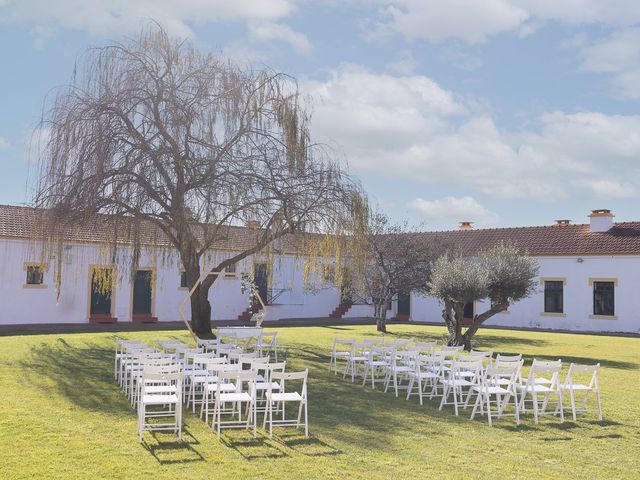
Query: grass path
62, 416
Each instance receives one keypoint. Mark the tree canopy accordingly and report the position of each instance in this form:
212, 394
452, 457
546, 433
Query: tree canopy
396, 260
155, 130
499, 274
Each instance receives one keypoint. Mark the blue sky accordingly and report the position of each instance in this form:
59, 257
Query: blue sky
502, 112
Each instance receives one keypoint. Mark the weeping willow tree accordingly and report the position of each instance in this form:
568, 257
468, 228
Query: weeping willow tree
154, 131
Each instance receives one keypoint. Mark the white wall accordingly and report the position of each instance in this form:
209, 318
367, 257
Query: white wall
578, 297
40, 305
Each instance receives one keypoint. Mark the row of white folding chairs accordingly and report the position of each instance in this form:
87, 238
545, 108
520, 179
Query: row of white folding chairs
455, 378
212, 373
205, 379
229, 387
352, 351
502, 383
264, 343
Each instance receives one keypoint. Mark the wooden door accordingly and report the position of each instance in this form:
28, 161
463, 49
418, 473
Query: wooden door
142, 293
101, 291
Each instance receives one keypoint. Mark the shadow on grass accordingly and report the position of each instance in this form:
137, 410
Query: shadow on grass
606, 423
82, 373
252, 448
173, 452
609, 436
557, 439
311, 447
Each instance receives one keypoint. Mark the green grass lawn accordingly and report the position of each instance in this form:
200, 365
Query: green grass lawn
63, 416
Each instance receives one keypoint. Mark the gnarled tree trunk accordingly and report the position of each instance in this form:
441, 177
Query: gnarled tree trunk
478, 320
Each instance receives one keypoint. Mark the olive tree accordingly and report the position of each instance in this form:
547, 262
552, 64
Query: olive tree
499, 274
156, 131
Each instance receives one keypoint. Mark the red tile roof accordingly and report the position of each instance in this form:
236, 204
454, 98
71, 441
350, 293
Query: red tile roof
30, 223
569, 240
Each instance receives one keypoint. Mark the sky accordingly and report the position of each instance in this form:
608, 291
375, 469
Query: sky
500, 112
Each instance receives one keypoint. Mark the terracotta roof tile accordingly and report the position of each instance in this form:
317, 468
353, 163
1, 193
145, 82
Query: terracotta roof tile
570, 240
30, 223
622, 239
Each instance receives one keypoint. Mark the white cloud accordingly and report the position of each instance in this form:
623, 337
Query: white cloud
409, 127
123, 16
3, 143
360, 109
604, 188
470, 21
454, 209
578, 12
619, 56
277, 31
474, 21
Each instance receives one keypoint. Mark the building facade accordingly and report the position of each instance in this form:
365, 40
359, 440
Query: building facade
589, 278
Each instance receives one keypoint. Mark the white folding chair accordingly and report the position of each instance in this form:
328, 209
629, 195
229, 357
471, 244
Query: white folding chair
213, 384
197, 377
376, 365
543, 380
208, 345
505, 360
583, 379
264, 382
237, 398
450, 355
463, 374
401, 366
160, 397
340, 351
121, 349
356, 358
402, 343
128, 363
242, 358
285, 397
136, 365
488, 355
492, 385
267, 343
426, 375
425, 347
167, 344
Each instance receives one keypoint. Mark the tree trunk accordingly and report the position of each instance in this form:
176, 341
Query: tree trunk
200, 306
449, 320
477, 322
381, 318
201, 313
455, 333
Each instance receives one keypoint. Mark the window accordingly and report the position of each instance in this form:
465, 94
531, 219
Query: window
183, 280
553, 296
230, 268
35, 275
603, 298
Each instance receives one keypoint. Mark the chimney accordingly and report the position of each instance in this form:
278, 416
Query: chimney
466, 226
254, 224
563, 223
601, 220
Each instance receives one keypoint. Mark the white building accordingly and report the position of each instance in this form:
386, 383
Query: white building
589, 277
